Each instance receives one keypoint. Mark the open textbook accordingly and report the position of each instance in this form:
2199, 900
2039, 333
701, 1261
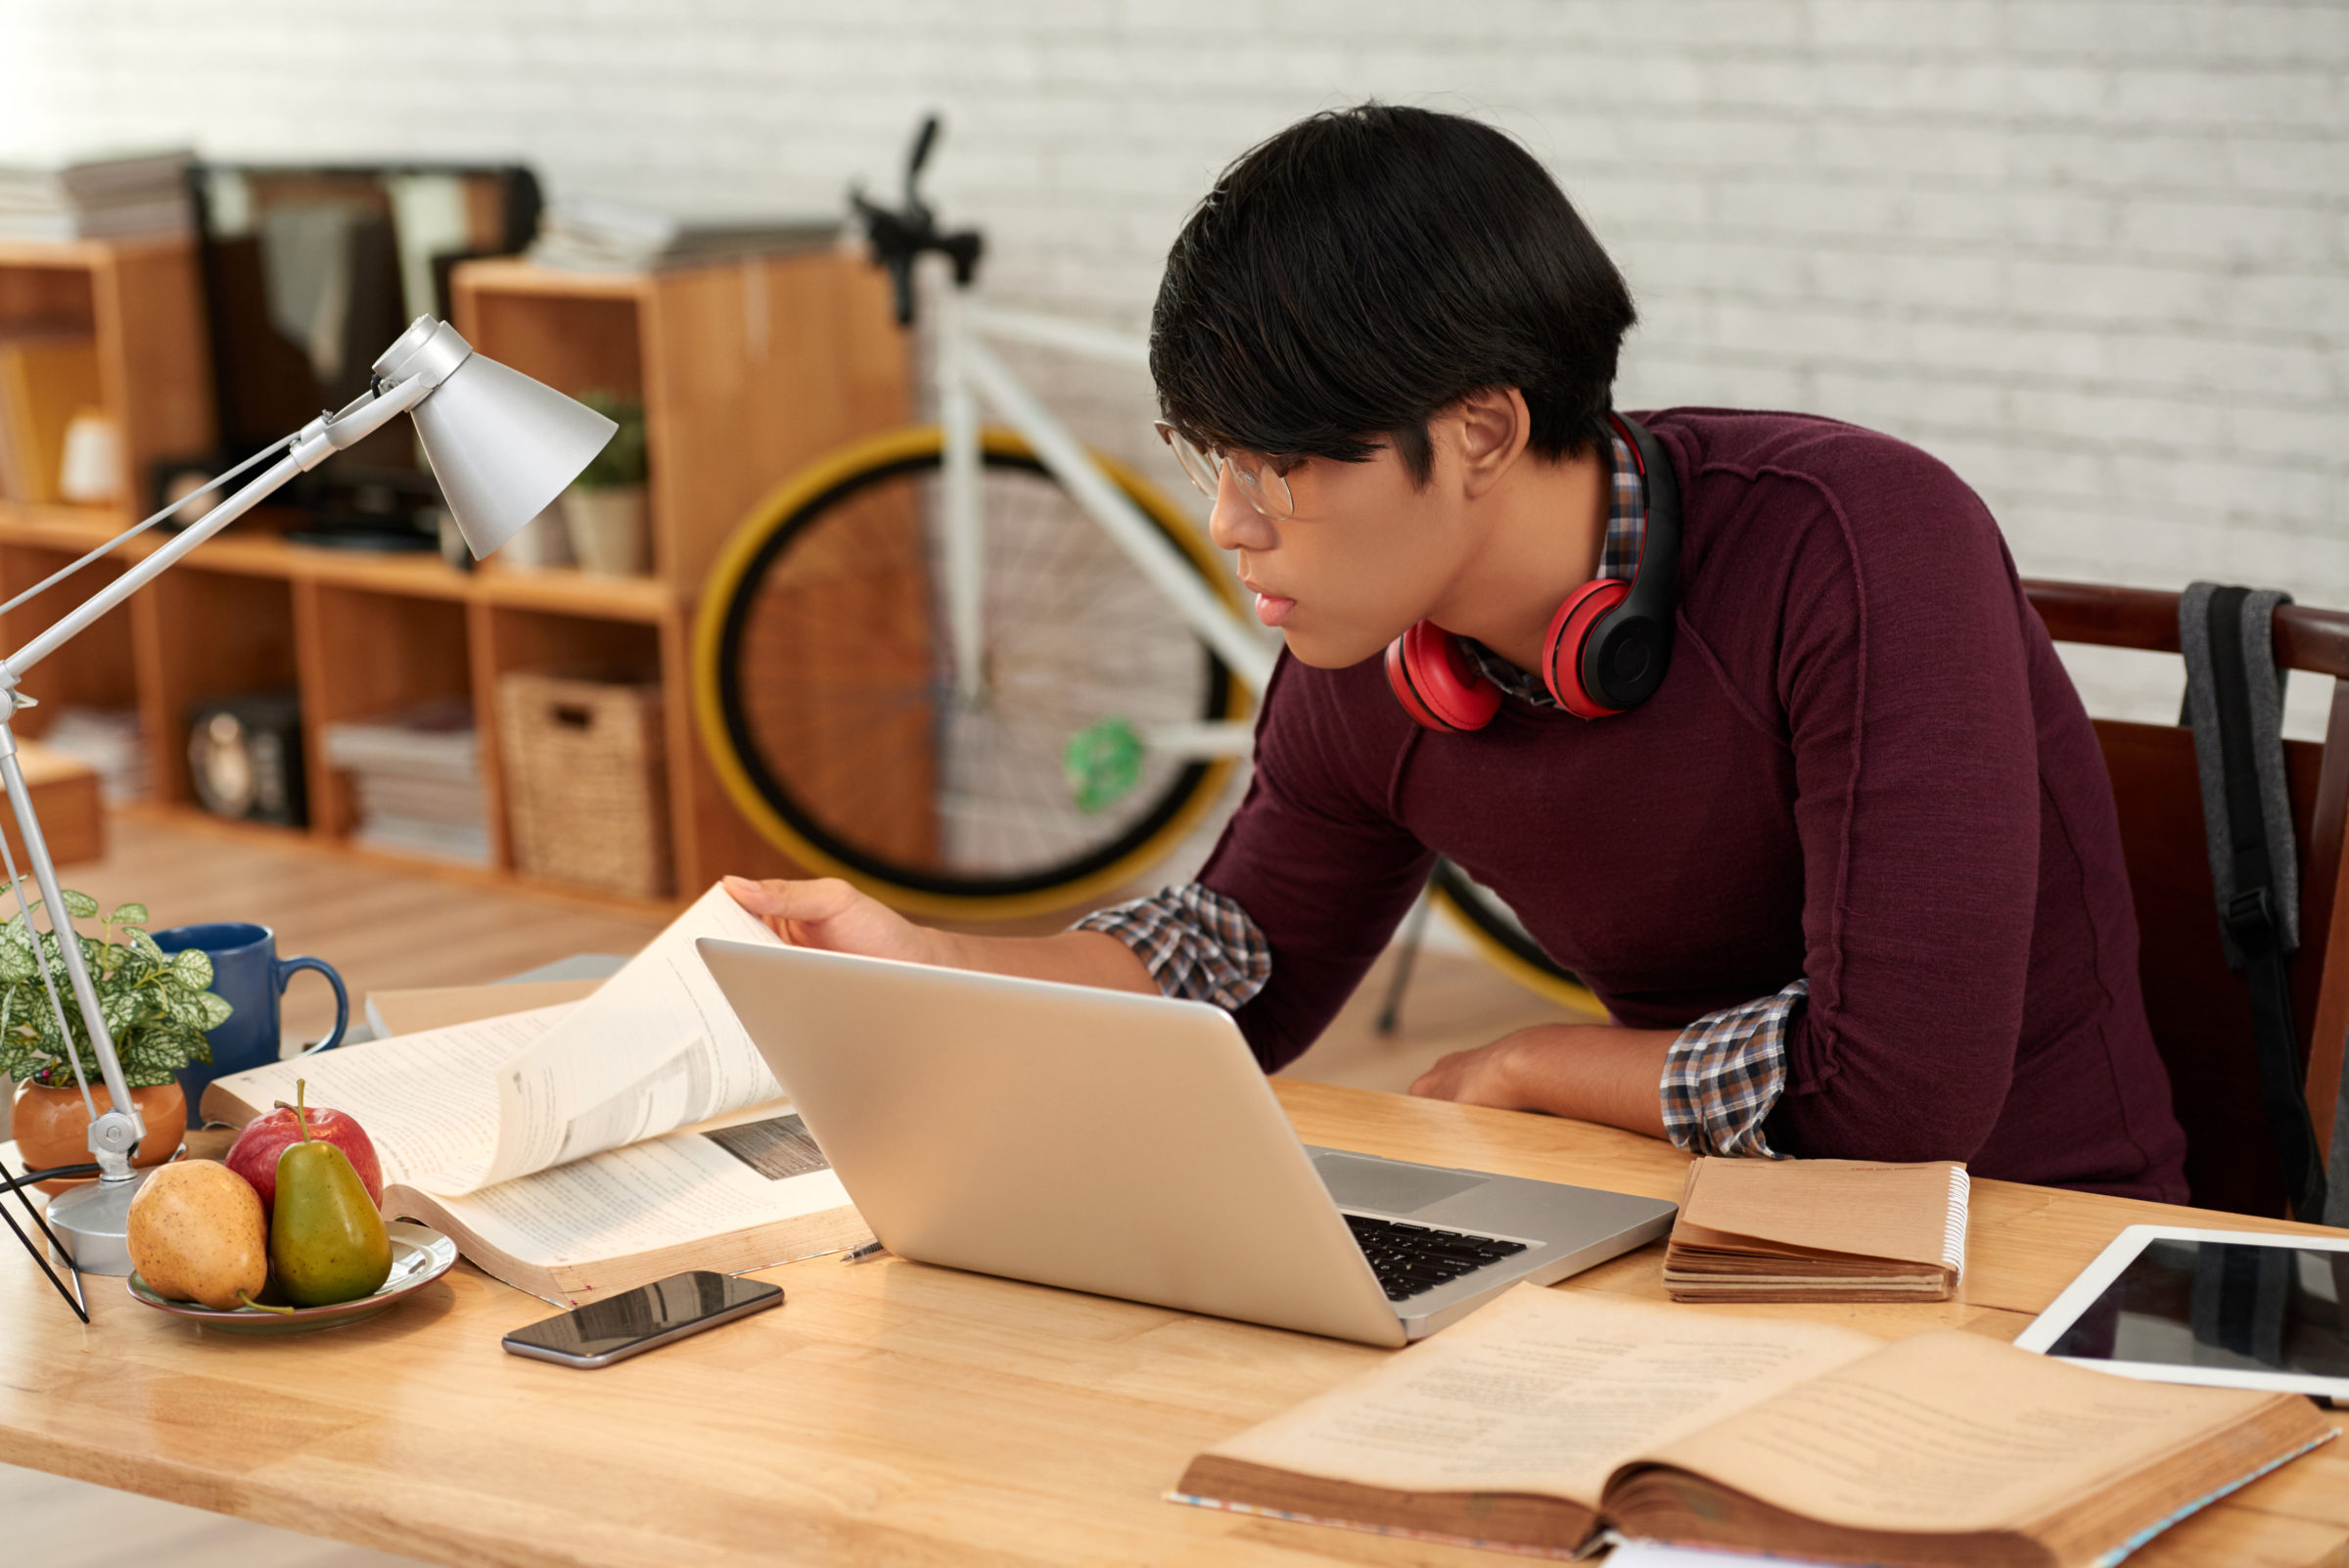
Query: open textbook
1552, 1414
586, 1148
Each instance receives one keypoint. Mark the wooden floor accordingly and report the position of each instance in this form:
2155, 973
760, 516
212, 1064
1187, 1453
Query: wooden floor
385, 929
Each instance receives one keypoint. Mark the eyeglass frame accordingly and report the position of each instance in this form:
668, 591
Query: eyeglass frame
1260, 484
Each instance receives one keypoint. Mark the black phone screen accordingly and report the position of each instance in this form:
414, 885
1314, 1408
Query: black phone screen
649, 1312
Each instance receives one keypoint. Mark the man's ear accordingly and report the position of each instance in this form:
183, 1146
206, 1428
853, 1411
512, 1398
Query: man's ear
1491, 428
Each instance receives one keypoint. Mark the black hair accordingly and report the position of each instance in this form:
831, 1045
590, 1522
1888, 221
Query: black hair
1369, 267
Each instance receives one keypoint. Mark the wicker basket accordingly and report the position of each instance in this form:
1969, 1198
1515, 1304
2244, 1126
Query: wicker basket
587, 782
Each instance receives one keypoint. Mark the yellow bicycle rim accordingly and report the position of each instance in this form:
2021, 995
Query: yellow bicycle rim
726, 577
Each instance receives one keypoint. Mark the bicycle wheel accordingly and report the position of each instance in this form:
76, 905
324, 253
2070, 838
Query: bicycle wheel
827, 694
1504, 941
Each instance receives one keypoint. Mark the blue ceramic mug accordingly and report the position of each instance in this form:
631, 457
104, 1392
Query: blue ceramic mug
249, 976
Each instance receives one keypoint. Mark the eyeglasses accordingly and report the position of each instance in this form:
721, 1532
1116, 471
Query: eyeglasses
1259, 480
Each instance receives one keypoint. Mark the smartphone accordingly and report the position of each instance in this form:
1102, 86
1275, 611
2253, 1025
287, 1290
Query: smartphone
635, 1320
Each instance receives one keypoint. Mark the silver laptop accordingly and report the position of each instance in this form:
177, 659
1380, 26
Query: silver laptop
1129, 1146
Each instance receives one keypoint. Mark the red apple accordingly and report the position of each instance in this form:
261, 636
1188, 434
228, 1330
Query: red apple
253, 1156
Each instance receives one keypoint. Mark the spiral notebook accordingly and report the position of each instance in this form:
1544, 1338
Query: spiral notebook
1818, 1230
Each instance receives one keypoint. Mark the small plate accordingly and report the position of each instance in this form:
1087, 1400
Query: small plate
420, 1255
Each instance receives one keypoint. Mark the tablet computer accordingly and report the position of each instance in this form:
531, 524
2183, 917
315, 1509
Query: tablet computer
2235, 1309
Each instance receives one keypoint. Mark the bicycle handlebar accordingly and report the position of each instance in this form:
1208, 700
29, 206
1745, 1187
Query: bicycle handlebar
898, 237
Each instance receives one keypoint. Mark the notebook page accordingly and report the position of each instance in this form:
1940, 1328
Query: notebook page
428, 1100
1854, 1208
1947, 1431
1540, 1392
679, 1188
656, 1049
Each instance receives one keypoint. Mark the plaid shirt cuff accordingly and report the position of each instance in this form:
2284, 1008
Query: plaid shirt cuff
1724, 1072
1198, 944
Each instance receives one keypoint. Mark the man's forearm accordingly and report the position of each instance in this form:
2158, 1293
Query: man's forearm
1592, 1073
1074, 957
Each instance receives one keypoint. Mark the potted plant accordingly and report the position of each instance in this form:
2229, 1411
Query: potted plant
605, 506
156, 1005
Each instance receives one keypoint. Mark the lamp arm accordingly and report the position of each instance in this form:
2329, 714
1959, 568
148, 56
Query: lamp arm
115, 1133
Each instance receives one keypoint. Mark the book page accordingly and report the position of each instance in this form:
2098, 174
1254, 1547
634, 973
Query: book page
428, 1102
1542, 1392
676, 1190
1948, 1432
656, 1049
1849, 1208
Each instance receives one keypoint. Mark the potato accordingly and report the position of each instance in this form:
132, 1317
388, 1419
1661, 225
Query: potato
197, 1234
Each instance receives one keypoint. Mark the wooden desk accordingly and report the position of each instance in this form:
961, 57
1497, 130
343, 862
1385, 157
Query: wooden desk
893, 1413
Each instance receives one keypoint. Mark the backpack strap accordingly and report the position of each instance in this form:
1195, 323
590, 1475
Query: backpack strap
2235, 702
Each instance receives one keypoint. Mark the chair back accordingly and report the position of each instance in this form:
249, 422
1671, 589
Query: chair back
2200, 1010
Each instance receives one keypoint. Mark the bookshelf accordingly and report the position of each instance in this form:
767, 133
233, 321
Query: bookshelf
747, 372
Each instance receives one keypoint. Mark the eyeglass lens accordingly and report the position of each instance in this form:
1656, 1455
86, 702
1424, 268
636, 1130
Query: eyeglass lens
1263, 485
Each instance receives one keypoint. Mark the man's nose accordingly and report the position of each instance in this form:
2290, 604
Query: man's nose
1235, 525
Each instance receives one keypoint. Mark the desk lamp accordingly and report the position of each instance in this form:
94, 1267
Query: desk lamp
502, 445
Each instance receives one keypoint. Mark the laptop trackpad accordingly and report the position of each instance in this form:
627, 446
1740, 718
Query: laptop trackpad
1387, 1186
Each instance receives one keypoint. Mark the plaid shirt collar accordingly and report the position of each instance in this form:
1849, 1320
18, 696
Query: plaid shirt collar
1618, 557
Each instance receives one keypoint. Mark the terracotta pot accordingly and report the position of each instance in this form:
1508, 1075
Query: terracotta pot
50, 1126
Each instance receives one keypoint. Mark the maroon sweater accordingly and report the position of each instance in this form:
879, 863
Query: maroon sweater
1866, 768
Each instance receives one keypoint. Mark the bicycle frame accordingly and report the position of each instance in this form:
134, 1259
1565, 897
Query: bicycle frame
969, 372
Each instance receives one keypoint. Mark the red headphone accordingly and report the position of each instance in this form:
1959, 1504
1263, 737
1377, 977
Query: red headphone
1607, 647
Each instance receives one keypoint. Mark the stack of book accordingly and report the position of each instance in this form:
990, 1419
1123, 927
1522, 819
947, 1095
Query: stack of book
587, 235
416, 777
96, 199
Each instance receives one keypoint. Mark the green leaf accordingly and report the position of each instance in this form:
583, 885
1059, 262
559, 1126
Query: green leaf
184, 1007
193, 968
120, 1010
217, 1011
150, 1078
127, 915
17, 964
80, 906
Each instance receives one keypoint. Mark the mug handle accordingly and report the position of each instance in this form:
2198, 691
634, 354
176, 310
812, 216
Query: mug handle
286, 968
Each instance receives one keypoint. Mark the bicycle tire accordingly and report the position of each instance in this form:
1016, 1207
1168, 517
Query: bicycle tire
814, 515
1504, 943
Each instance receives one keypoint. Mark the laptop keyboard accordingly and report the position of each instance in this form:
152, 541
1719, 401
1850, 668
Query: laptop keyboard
1410, 1258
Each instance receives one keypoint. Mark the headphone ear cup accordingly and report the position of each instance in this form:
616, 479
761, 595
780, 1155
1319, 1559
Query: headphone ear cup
1568, 635
1435, 683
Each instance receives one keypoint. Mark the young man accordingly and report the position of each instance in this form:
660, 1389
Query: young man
1849, 882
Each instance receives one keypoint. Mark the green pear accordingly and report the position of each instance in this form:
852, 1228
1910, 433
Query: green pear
327, 1242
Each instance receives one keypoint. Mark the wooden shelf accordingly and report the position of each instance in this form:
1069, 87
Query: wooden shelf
747, 370
261, 553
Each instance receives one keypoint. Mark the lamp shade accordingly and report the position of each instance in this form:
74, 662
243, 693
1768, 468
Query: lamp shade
501, 444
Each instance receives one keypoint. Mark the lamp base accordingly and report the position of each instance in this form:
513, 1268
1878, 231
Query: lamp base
92, 1222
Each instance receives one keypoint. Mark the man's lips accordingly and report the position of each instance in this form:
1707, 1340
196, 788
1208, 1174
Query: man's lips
1271, 609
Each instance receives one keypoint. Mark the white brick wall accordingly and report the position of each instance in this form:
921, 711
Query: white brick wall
2093, 252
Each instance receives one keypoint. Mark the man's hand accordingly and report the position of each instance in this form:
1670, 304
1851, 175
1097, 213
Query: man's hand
1591, 1072
830, 914
1481, 1077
